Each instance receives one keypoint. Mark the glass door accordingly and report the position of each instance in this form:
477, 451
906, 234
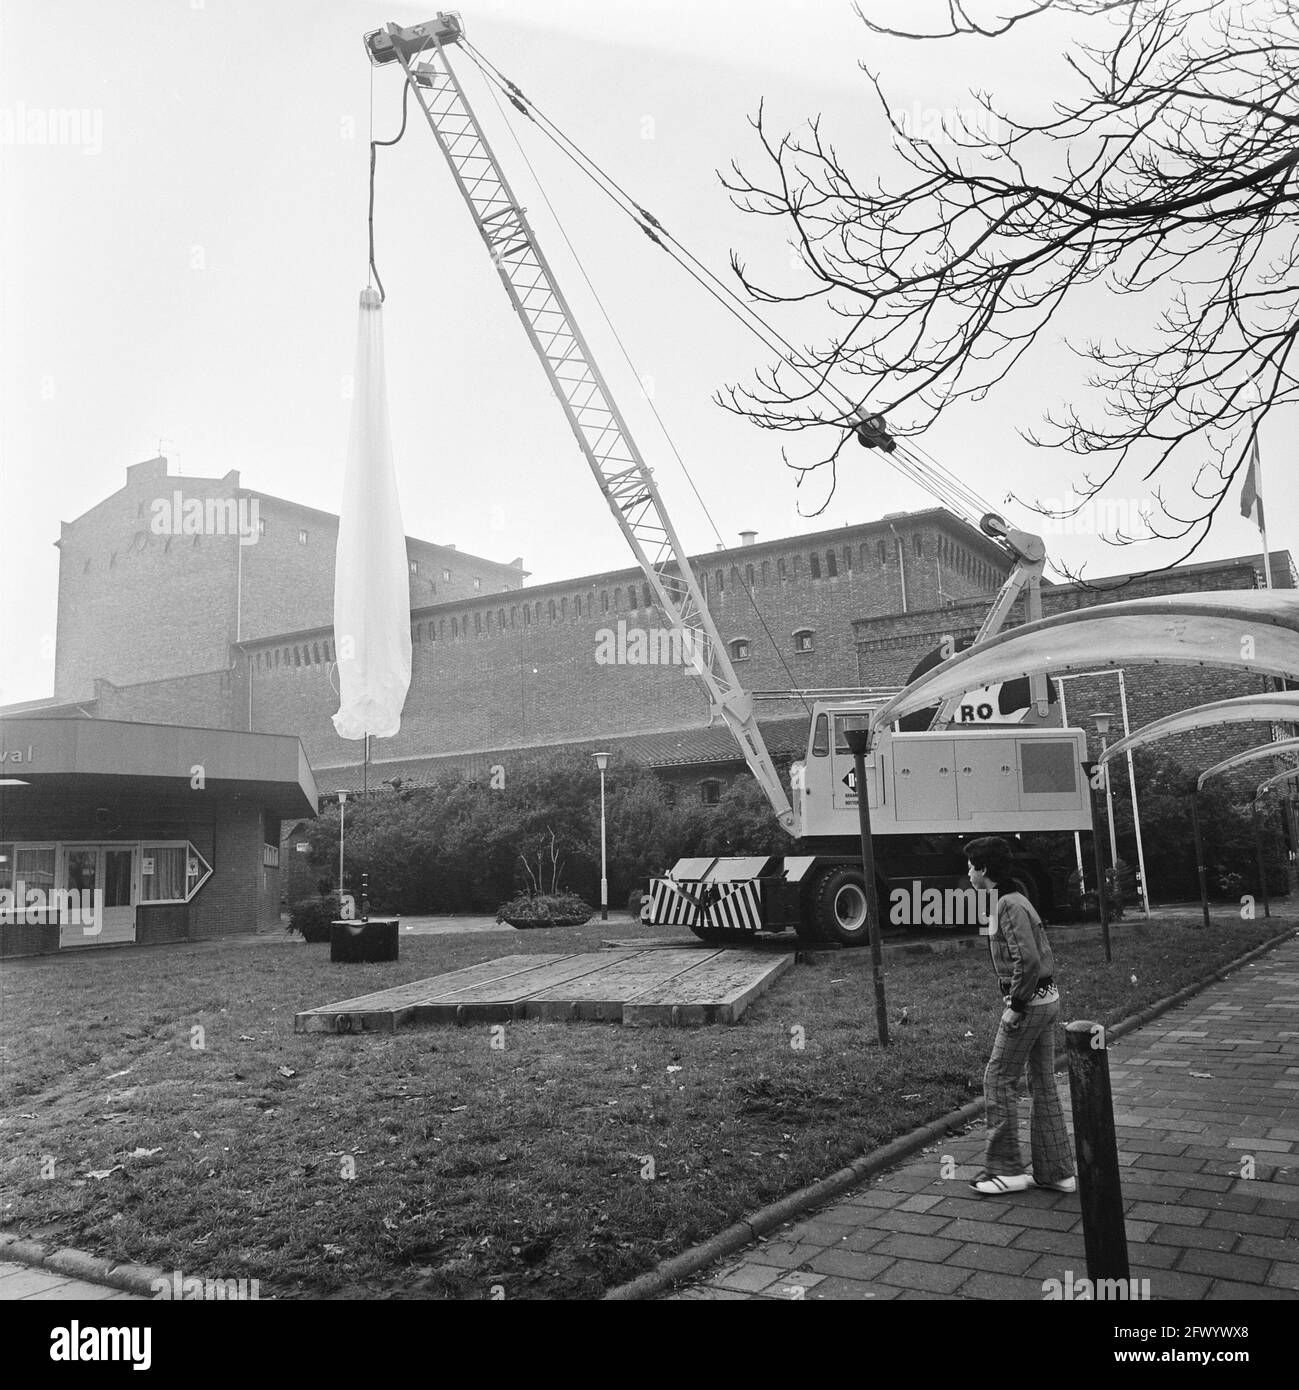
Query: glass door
99, 902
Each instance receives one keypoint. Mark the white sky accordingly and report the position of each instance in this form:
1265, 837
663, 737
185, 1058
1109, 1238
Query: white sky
188, 271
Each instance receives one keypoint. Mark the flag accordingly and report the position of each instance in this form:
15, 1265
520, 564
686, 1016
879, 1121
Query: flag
1251, 498
371, 583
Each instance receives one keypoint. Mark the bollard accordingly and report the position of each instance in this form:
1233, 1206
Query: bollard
1099, 1188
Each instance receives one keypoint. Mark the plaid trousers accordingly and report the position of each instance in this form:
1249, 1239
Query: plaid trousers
1031, 1045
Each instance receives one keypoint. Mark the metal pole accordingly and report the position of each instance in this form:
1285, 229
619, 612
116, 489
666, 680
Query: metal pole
1109, 810
1199, 852
1132, 787
342, 823
604, 880
1077, 837
1102, 902
859, 742
1100, 1190
1258, 851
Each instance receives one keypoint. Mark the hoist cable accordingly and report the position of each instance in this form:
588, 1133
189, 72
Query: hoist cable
930, 475
632, 368
374, 144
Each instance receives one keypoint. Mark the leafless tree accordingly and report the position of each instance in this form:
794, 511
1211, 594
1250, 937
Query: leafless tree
1167, 182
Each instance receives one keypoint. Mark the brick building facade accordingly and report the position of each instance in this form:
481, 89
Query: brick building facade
203, 629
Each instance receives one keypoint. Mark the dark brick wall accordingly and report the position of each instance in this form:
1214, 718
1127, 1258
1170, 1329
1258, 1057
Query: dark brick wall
492, 674
138, 605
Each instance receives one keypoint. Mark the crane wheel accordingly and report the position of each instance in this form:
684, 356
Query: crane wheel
839, 912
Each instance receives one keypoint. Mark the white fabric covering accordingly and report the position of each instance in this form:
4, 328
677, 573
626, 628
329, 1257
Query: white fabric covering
371, 579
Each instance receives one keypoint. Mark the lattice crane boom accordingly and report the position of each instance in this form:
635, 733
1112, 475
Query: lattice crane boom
614, 458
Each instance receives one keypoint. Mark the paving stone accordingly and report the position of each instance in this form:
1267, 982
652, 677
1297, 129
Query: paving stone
915, 1274
748, 1278
1194, 1237
913, 1222
911, 1247
1171, 1213
1052, 1242
921, 1201
1284, 1276
850, 1264
996, 1259
851, 1289
1004, 1286
1223, 1289
1245, 1223
1268, 1247
1171, 1283
987, 1232
877, 1197
864, 1238
1240, 1268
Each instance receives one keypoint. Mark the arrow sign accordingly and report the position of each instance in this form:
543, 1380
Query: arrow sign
850, 781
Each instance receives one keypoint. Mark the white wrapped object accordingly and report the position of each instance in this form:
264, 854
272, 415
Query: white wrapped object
371, 584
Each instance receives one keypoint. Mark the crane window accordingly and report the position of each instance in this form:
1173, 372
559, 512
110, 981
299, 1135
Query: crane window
1048, 767
844, 722
821, 736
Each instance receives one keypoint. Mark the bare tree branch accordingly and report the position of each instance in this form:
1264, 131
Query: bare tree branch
1164, 190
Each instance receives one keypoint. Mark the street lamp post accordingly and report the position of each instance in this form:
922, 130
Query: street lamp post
602, 761
342, 823
1103, 728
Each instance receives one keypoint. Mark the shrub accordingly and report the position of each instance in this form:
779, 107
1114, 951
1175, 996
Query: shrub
311, 917
543, 909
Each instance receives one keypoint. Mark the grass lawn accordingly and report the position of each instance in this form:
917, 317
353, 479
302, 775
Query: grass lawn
158, 1107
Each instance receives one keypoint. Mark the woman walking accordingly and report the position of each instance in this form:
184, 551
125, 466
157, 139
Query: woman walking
1021, 956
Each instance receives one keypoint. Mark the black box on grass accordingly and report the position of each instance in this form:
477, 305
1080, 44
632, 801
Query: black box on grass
354, 941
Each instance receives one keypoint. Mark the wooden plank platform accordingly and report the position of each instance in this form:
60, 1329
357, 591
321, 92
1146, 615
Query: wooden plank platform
620, 986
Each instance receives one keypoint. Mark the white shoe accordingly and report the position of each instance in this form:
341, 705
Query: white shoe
990, 1184
1060, 1185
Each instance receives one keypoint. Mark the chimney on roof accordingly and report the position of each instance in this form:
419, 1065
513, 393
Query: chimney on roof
748, 537
719, 546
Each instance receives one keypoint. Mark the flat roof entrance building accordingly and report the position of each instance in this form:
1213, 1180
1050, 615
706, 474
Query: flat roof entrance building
115, 832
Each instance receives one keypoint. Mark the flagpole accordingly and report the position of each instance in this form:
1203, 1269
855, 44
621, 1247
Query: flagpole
1262, 510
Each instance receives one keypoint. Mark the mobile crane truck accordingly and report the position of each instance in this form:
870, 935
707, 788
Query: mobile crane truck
925, 788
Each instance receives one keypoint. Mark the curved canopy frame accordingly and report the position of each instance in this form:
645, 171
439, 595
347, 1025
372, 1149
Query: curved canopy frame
1266, 750
1246, 629
1281, 707
1271, 782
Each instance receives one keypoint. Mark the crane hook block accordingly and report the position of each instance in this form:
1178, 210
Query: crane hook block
872, 433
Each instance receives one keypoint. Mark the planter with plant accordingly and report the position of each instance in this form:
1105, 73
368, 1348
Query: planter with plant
544, 903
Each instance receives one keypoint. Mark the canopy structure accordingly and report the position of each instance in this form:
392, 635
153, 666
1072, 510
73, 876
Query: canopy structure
1266, 750
1248, 629
1281, 707
1264, 787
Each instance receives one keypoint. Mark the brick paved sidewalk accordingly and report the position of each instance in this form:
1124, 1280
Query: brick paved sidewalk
1200, 1095
26, 1282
